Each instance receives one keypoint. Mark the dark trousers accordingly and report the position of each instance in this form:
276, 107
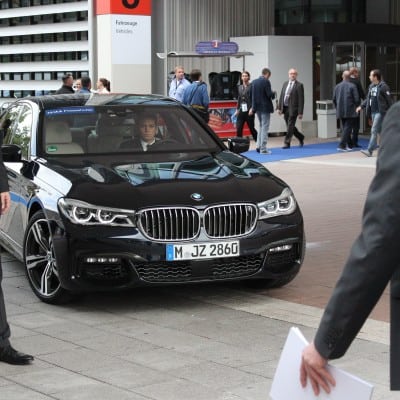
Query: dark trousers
291, 127
243, 117
347, 129
4, 327
354, 132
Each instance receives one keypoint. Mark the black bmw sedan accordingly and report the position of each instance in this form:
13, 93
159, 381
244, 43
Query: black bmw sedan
115, 191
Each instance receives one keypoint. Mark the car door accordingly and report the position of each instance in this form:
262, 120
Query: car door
19, 132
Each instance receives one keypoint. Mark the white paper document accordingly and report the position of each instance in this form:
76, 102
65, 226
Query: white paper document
286, 384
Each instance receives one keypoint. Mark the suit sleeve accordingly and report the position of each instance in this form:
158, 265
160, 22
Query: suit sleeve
301, 98
282, 97
3, 172
374, 256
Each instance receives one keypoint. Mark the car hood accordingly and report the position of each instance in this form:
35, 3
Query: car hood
190, 179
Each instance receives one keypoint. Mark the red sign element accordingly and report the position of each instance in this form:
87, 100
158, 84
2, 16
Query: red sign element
131, 7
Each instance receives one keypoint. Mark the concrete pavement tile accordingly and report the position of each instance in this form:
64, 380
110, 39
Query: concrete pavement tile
116, 345
157, 335
41, 344
162, 359
69, 331
254, 391
9, 371
216, 376
32, 320
178, 389
79, 359
127, 375
266, 368
15, 309
54, 380
80, 313
19, 332
16, 392
97, 391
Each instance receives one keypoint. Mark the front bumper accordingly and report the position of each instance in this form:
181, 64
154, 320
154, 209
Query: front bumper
133, 260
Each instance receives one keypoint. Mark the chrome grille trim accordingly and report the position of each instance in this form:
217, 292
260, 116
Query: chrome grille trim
230, 220
169, 223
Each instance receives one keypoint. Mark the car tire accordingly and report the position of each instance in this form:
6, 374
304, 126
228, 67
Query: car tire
40, 261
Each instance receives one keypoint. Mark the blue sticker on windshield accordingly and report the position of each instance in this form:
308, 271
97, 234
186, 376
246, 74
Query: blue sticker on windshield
70, 110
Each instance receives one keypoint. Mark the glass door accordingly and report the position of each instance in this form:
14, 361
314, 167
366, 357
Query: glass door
346, 56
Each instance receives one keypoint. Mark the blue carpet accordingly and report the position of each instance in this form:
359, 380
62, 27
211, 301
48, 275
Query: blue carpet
308, 150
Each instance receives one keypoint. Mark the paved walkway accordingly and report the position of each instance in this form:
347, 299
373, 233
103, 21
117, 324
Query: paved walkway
211, 342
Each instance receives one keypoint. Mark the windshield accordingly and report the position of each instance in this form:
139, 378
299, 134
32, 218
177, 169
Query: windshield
121, 129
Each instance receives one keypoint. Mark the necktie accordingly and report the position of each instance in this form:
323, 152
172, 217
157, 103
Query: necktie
287, 95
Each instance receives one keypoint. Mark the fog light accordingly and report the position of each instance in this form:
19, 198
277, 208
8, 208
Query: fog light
278, 249
102, 260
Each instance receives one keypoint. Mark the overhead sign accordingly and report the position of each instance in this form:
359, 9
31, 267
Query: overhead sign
216, 47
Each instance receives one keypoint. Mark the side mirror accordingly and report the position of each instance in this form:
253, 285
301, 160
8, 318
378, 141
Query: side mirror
11, 153
238, 144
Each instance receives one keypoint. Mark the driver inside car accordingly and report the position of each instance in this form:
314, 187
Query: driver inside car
148, 129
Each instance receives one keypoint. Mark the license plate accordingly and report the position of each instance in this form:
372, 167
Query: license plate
198, 251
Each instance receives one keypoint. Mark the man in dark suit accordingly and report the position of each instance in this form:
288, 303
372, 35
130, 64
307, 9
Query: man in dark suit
148, 129
374, 260
346, 101
7, 353
261, 105
291, 105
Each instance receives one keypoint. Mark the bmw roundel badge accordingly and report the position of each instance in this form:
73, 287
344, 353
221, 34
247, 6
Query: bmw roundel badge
197, 196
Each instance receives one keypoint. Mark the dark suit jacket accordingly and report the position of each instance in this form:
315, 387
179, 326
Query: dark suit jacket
374, 256
133, 143
296, 99
346, 100
262, 95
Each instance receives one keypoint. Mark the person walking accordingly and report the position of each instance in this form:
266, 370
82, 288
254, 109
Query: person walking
7, 353
376, 105
67, 83
355, 78
261, 105
291, 105
374, 260
196, 95
346, 101
178, 84
243, 107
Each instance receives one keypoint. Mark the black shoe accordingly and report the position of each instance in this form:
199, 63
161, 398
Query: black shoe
357, 145
257, 150
286, 147
301, 142
12, 356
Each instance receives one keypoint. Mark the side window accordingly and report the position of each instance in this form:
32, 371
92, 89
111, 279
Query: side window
22, 130
7, 123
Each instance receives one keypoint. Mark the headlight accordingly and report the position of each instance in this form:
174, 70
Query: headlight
79, 212
284, 204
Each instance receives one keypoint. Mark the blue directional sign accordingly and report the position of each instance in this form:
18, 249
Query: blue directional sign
217, 47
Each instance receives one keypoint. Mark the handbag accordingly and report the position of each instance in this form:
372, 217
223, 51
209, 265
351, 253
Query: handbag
199, 109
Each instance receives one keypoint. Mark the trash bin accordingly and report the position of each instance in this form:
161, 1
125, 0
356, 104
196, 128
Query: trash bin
326, 116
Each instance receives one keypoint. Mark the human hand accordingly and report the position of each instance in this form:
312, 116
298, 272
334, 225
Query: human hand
358, 109
313, 368
5, 202
300, 116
